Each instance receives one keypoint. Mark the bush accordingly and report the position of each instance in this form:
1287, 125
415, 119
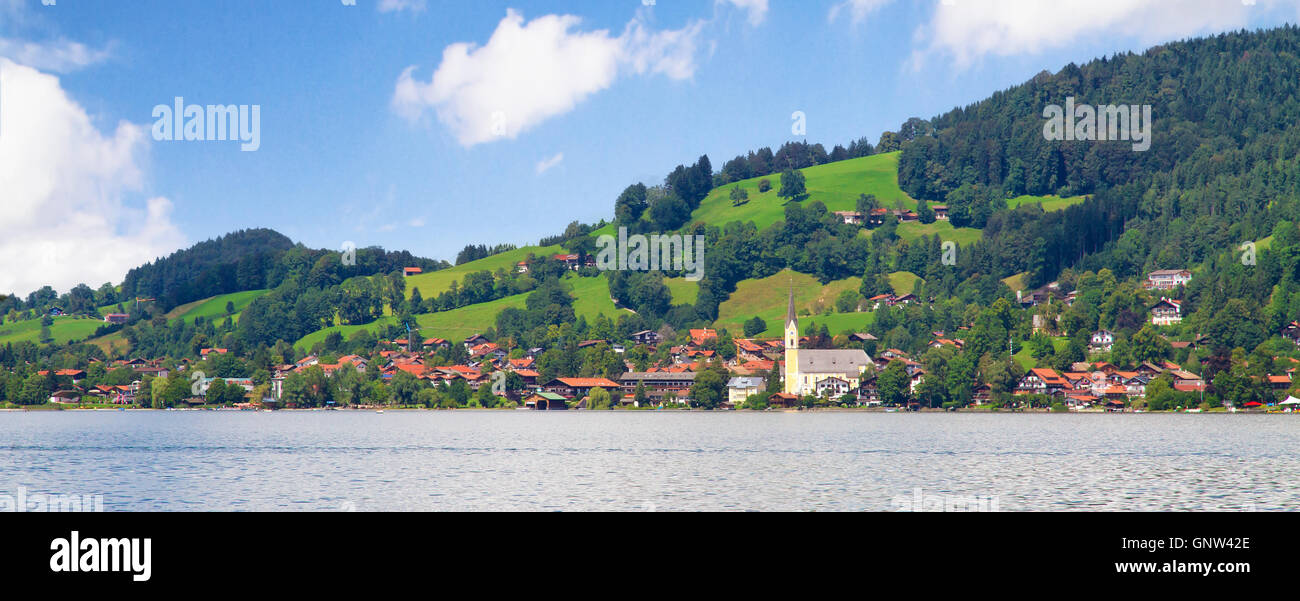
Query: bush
764, 185
756, 402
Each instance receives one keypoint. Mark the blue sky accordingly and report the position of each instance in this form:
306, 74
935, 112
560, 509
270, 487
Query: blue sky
370, 135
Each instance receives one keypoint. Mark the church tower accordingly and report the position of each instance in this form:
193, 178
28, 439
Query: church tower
791, 348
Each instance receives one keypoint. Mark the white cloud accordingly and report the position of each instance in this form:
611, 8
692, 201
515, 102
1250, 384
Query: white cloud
530, 72
63, 182
967, 29
545, 165
60, 56
858, 10
388, 6
757, 9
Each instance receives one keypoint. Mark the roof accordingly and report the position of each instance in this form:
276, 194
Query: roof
746, 382
758, 364
699, 336
1162, 272
415, 370
790, 316
587, 382
662, 376
1047, 375
814, 361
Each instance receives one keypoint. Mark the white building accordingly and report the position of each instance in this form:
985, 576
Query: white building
1168, 279
1167, 312
805, 368
743, 387
1102, 341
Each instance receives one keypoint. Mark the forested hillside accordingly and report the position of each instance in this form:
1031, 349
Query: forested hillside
251, 260
1222, 168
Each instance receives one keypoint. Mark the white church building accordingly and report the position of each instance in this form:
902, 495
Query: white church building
809, 370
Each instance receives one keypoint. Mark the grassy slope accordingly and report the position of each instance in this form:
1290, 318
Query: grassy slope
837, 323
1050, 203
963, 236
592, 299
837, 185
684, 292
433, 284
215, 307
1016, 282
768, 297
904, 282
1026, 358
63, 330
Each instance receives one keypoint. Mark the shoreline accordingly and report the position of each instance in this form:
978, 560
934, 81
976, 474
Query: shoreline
633, 411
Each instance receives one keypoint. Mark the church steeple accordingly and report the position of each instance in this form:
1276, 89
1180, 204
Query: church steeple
792, 384
789, 312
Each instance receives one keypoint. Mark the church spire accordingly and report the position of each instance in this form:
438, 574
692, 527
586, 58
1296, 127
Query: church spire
789, 313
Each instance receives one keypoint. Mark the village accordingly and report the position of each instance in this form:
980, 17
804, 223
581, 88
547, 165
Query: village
761, 373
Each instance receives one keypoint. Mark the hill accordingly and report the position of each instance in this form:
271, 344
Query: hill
63, 330
837, 185
768, 298
215, 307
433, 284
230, 263
591, 299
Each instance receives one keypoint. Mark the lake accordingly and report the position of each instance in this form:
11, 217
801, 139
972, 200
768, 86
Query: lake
642, 461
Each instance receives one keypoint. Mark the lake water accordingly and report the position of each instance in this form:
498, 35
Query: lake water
488, 461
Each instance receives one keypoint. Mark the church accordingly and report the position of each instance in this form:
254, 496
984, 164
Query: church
812, 371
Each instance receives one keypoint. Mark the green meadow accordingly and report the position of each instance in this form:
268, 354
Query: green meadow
837, 185
433, 284
684, 292
903, 282
64, 330
215, 307
592, 299
1050, 203
768, 298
